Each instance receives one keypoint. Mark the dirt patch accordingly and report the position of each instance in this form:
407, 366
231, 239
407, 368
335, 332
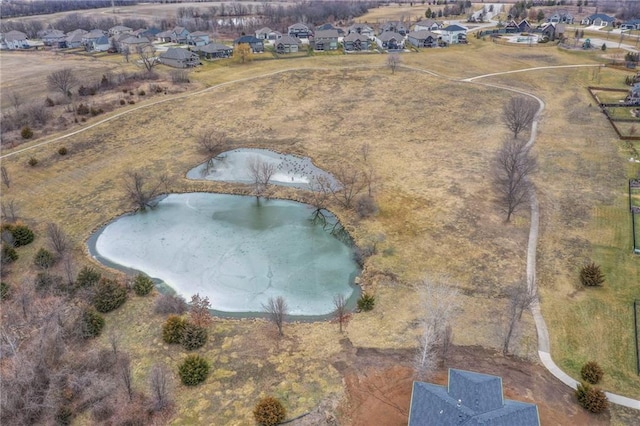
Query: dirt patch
379, 386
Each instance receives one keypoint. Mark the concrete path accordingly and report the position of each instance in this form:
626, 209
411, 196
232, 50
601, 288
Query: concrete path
544, 345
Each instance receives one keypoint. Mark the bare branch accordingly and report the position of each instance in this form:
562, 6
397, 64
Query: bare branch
260, 172
341, 315
147, 57
393, 60
57, 238
513, 166
276, 309
518, 114
160, 382
5, 176
140, 192
62, 81
212, 142
520, 299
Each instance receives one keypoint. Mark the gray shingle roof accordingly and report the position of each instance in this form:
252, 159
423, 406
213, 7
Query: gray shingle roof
327, 34
177, 54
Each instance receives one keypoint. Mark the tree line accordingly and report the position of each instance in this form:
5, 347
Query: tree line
16, 8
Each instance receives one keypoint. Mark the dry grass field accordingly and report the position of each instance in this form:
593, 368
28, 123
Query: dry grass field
432, 141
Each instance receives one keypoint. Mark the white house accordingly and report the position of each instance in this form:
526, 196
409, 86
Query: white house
427, 25
198, 38
15, 40
453, 34
119, 29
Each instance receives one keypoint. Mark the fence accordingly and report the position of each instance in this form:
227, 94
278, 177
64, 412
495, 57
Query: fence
634, 183
636, 325
612, 120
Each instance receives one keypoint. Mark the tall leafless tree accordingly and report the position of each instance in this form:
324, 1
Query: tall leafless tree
276, 309
341, 315
140, 191
62, 81
126, 374
351, 182
393, 60
6, 179
16, 100
159, 383
212, 141
260, 172
57, 238
9, 210
520, 299
518, 114
147, 57
440, 304
513, 167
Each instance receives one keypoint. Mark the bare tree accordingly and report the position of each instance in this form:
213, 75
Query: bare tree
440, 304
6, 179
126, 52
140, 192
62, 81
199, 313
211, 141
341, 315
159, 382
352, 182
260, 172
276, 309
513, 166
518, 114
58, 240
520, 299
9, 210
147, 57
124, 366
15, 99
365, 148
393, 60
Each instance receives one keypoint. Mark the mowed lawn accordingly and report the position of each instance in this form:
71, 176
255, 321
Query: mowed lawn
431, 145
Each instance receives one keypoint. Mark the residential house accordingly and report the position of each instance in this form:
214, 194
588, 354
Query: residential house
100, 44
256, 44
524, 26
394, 26
518, 27
14, 40
179, 35
73, 40
179, 58
423, 38
633, 24
511, 27
214, 51
198, 38
551, 31
598, 20
428, 25
469, 398
325, 40
51, 37
633, 98
561, 17
287, 44
453, 34
354, 42
164, 36
119, 29
149, 33
390, 41
267, 33
132, 43
324, 27
300, 31
362, 29
91, 36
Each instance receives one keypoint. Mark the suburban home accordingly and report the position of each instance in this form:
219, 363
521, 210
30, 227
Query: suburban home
355, 42
325, 40
598, 20
327, 26
73, 40
453, 34
423, 38
633, 24
100, 44
164, 36
362, 29
198, 38
256, 44
390, 41
561, 17
15, 40
394, 26
51, 37
88, 38
287, 44
515, 27
179, 35
179, 58
550, 31
471, 399
267, 33
119, 29
214, 51
132, 43
633, 98
299, 31
427, 24
149, 33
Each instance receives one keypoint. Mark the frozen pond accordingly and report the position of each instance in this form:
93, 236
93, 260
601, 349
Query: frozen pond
232, 166
234, 250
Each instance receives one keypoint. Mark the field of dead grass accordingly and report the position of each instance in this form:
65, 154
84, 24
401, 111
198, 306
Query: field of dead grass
432, 142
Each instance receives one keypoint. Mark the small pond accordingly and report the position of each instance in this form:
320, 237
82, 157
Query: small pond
232, 166
237, 251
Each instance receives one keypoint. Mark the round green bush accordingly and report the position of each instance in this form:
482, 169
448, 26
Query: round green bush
88, 277
269, 412
109, 295
44, 259
142, 285
591, 398
62, 150
92, 323
5, 291
22, 235
173, 329
194, 370
193, 336
26, 132
591, 372
366, 302
9, 254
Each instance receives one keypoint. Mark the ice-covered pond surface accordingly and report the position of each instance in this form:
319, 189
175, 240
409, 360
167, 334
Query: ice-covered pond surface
232, 166
234, 250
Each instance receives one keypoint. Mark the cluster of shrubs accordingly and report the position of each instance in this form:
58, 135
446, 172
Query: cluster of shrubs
178, 330
83, 109
590, 397
13, 236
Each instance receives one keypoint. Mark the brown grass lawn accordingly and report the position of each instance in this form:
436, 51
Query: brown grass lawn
432, 142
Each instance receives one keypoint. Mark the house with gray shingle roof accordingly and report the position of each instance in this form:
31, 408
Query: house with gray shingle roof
453, 34
394, 26
51, 37
179, 58
179, 35
198, 38
325, 40
633, 24
15, 40
390, 40
267, 33
119, 29
256, 44
214, 51
427, 24
362, 29
299, 31
354, 42
287, 44
423, 38
599, 20
471, 399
